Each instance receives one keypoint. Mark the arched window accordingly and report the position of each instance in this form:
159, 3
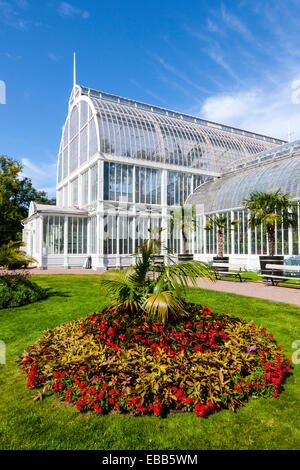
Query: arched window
84, 113
65, 138
83, 144
74, 154
65, 163
74, 123
59, 170
92, 139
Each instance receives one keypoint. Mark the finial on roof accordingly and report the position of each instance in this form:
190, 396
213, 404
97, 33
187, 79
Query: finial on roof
74, 69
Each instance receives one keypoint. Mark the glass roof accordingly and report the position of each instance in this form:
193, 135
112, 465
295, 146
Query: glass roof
138, 130
118, 127
229, 191
167, 112
280, 151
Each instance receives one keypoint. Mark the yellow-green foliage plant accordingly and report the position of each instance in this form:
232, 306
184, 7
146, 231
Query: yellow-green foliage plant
200, 362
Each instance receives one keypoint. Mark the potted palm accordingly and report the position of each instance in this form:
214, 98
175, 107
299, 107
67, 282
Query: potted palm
269, 210
183, 218
220, 222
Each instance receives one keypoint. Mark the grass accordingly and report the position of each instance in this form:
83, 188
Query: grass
51, 424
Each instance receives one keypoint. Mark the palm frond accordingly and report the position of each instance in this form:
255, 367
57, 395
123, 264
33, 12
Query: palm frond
127, 305
145, 253
11, 255
160, 306
117, 285
181, 275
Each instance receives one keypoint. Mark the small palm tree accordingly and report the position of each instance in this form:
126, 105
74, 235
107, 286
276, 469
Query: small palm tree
220, 222
134, 291
11, 257
270, 209
156, 231
183, 218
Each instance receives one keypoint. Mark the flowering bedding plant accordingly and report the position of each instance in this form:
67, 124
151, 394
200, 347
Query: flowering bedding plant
202, 363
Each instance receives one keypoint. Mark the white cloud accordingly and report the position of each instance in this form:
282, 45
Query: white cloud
213, 49
22, 3
43, 176
13, 56
85, 15
53, 57
10, 16
213, 27
263, 110
235, 24
228, 107
219, 59
67, 10
170, 68
149, 92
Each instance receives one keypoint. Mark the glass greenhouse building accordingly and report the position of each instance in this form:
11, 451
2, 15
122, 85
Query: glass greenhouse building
268, 171
125, 166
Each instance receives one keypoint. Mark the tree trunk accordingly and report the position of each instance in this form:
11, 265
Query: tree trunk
184, 242
271, 239
220, 243
158, 245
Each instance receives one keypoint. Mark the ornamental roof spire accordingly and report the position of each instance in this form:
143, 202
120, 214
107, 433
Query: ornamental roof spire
74, 69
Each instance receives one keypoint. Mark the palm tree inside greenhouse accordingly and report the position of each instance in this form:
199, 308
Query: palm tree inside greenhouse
183, 218
220, 222
270, 210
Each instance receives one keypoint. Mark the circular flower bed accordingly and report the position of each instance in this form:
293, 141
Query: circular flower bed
202, 363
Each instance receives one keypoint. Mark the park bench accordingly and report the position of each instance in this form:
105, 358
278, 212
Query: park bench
222, 270
275, 278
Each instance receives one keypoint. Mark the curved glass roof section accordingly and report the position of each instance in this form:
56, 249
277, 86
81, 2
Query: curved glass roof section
229, 191
127, 128
281, 151
150, 133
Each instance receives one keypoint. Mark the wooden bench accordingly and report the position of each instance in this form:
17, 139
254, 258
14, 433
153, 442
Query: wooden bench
279, 267
219, 273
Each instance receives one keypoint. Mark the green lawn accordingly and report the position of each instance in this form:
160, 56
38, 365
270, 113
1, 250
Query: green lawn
50, 424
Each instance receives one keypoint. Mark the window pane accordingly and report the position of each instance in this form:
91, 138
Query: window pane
94, 183
84, 188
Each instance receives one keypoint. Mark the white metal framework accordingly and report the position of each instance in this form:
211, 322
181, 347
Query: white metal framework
266, 172
123, 167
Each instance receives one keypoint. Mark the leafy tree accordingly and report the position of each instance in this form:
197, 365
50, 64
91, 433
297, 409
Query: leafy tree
133, 290
270, 209
219, 222
15, 196
42, 198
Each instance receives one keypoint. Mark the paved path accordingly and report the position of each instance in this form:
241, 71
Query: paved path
64, 271
290, 295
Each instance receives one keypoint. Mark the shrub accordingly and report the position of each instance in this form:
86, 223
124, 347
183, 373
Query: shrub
202, 363
19, 289
11, 257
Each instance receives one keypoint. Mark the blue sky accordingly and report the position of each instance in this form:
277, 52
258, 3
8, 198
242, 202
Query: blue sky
236, 62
